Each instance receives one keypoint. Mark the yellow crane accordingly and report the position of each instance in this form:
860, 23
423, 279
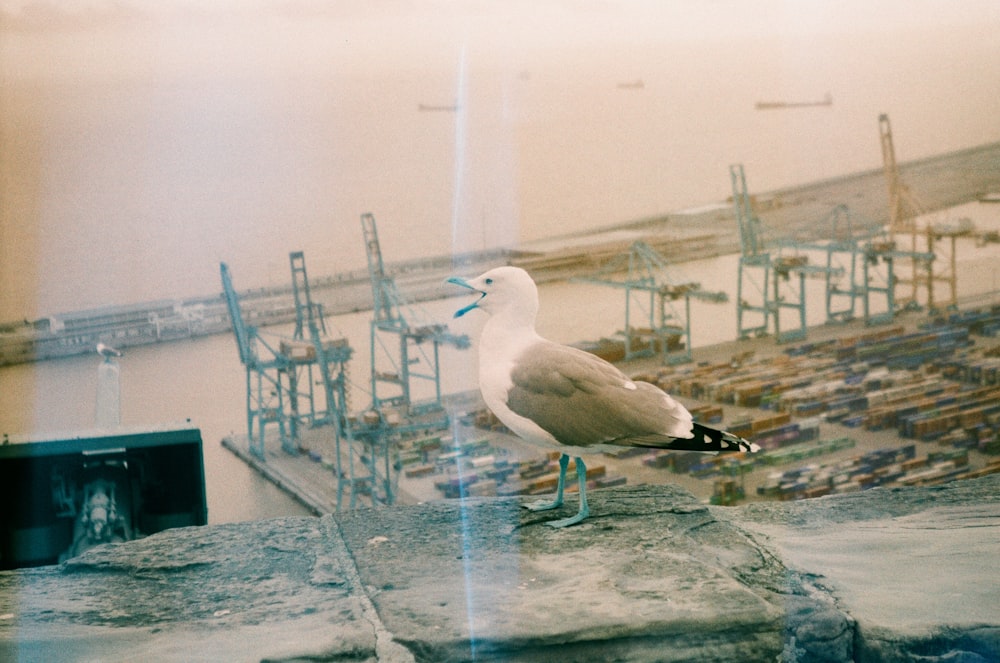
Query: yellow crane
931, 251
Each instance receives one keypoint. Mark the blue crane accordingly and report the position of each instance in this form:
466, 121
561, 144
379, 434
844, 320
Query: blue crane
643, 273
267, 368
411, 350
765, 286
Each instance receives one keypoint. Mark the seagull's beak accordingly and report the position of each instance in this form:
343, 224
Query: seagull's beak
455, 280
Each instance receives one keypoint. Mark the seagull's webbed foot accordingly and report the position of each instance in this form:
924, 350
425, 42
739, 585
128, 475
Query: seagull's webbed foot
581, 477
543, 505
573, 520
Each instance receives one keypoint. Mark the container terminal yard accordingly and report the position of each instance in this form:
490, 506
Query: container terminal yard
914, 403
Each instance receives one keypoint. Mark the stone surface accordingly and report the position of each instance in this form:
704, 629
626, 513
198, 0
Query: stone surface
916, 568
269, 587
491, 580
885, 575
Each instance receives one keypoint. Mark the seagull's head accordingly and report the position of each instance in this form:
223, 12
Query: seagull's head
504, 289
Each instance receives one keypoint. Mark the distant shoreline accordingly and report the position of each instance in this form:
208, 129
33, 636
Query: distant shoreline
941, 181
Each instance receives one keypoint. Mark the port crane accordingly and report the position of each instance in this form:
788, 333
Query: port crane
857, 252
361, 452
765, 286
268, 399
871, 255
403, 350
871, 271
931, 261
644, 275
845, 235
280, 388
282, 378
312, 350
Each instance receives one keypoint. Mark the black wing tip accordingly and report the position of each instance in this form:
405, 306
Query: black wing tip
703, 439
727, 442
740, 443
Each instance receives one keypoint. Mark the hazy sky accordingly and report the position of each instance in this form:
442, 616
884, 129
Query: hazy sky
199, 131
254, 35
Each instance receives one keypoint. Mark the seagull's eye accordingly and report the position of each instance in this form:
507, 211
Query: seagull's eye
488, 281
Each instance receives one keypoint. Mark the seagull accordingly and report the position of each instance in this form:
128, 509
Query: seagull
564, 399
107, 351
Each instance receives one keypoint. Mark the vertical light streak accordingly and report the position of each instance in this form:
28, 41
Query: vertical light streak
458, 190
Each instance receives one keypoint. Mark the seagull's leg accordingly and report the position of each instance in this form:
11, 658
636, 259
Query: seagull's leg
581, 478
542, 505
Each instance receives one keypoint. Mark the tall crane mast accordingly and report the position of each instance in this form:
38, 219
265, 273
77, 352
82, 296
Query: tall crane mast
313, 350
268, 394
754, 266
765, 287
931, 261
903, 210
385, 296
408, 357
900, 218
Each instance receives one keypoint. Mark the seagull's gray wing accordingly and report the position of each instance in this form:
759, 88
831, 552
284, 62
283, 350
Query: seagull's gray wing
583, 401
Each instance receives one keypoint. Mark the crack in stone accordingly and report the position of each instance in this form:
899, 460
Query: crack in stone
387, 649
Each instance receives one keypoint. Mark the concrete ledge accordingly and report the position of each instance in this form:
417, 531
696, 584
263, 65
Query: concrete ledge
885, 575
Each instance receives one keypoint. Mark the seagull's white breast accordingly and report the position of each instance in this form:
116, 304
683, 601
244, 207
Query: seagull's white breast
498, 354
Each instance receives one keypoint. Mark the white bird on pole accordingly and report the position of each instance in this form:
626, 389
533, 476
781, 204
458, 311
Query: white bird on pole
107, 351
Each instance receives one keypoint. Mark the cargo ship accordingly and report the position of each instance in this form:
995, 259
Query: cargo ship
774, 105
437, 108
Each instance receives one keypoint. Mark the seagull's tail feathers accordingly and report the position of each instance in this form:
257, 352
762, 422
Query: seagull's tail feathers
705, 439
